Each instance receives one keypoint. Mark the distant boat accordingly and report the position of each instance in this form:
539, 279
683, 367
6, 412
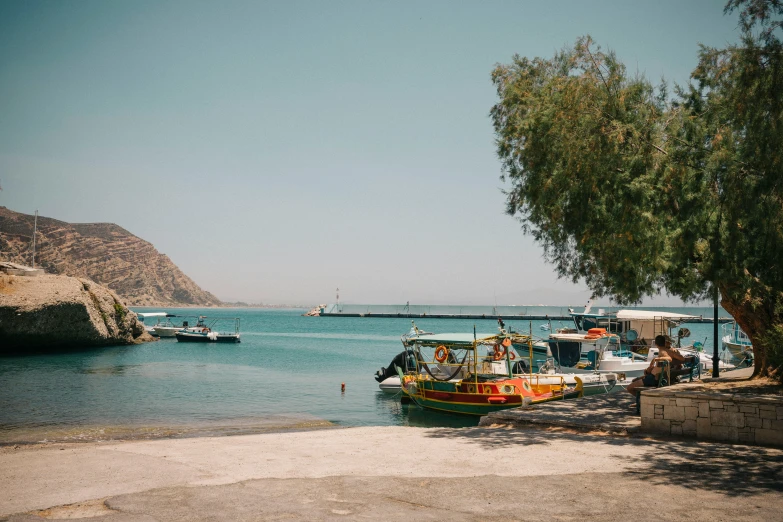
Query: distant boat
148, 326
545, 327
202, 333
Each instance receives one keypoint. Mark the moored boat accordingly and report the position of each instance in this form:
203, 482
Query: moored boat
737, 343
202, 333
450, 374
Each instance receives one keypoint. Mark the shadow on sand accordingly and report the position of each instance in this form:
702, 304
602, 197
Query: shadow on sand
733, 470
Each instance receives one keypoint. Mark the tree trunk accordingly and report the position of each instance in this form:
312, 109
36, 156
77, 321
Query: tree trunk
761, 319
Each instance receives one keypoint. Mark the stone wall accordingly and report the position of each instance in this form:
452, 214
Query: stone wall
744, 418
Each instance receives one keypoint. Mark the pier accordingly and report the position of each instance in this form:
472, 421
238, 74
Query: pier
700, 319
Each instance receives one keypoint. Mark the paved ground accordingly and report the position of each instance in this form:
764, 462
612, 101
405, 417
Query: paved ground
385, 473
614, 413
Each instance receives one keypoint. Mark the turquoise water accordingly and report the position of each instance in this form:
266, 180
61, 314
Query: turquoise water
286, 373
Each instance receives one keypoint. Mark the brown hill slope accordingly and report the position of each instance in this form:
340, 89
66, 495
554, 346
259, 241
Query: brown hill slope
104, 252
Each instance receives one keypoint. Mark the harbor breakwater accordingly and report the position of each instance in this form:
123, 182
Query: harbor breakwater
555, 314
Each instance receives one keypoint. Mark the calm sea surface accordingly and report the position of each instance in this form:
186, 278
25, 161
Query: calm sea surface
285, 374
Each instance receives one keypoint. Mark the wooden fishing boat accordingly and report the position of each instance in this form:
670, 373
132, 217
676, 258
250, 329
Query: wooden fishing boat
448, 374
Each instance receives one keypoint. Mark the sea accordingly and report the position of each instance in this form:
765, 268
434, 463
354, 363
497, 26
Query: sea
289, 372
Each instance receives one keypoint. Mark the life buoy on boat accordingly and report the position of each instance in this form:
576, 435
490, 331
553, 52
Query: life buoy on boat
511, 355
205, 330
506, 342
441, 353
499, 354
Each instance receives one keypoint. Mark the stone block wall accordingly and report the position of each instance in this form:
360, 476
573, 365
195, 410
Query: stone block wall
749, 419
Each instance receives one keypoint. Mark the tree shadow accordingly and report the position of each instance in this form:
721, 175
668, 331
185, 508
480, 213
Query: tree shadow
733, 470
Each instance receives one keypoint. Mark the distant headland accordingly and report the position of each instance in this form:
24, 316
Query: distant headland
102, 252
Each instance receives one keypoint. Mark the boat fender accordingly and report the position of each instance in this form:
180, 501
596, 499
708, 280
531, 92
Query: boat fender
441, 353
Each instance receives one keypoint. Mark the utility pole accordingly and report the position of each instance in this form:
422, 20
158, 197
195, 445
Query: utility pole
715, 357
35, 231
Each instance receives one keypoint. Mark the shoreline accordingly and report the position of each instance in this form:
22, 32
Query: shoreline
119, 433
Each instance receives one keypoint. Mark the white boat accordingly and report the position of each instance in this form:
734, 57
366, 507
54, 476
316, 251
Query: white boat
166, 329
144, 319
593, 382
201, 333
619, 342
737, 343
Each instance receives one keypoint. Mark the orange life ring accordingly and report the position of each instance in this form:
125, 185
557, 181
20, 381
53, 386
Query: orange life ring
506, 342
511, 356
441, 353
205, 330
499, 354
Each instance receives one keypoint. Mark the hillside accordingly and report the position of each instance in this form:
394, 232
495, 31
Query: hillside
103, 252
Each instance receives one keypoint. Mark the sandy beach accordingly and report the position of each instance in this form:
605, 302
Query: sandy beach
384, 473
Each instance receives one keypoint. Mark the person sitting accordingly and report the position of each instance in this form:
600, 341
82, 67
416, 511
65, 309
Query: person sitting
653, 372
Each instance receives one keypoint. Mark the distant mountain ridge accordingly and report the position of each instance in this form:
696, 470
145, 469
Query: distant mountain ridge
103, 252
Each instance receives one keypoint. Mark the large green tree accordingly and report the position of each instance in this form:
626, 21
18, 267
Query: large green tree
637, 191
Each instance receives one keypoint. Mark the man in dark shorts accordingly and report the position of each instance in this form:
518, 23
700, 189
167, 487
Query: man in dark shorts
652, 372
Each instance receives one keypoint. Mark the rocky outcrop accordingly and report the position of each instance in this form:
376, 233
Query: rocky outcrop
62, 312
101, 252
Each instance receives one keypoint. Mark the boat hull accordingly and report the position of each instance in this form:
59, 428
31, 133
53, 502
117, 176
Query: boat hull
737, 349
470, 398
166, 331
192, 337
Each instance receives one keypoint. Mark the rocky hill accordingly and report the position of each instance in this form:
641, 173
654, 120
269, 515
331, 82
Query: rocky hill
53, 312
103, 252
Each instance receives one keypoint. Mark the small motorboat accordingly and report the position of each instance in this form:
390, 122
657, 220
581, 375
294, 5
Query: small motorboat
201, 333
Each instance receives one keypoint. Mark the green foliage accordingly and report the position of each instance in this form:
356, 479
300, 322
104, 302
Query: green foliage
579, 144
636, 192
119, 313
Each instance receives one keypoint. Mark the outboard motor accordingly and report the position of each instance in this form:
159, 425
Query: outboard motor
404, 360
520, 367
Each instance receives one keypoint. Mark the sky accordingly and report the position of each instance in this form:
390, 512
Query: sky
276, 151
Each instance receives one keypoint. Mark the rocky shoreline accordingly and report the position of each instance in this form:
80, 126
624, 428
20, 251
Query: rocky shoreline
60, 312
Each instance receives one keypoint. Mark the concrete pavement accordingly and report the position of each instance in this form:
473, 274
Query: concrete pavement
387, 472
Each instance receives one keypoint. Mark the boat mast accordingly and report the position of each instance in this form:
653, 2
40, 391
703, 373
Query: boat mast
35, 231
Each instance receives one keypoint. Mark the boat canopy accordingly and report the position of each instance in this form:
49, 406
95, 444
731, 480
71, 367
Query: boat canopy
650, 315
142, 315
464, 339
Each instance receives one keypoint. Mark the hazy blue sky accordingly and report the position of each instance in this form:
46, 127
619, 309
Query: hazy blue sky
278, 150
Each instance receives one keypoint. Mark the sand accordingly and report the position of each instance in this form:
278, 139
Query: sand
388, 472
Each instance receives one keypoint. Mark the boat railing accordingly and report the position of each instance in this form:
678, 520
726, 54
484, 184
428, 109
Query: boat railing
735, 333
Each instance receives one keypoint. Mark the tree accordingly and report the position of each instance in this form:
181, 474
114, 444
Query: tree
637, 192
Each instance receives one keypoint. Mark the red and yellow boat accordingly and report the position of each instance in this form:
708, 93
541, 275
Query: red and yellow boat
448, 374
